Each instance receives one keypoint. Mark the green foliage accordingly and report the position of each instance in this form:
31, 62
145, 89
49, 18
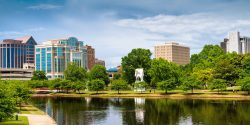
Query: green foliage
39, 75
79, 85
7, 102
99, 72
218, 84
117, 76
73, 72
119, 85
167, 85
161, 70
96, 85
245, 84
224, 69
204, 76
137, 58
190, 83
208, 57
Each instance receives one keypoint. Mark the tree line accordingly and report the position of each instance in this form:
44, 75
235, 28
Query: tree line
212, 68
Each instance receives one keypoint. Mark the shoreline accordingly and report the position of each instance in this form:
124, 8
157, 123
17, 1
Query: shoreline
148, 95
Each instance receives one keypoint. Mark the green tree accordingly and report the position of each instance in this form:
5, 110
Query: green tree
39, 75
208, 57
219, 84
7, 102
79, 85
245, 84
161, 70
245, 65
55, 84
73, 72
137, 58
167, 85
224, 69
96, 85
65, 85
99, 72
203, 75
119, 85
190, 83
21, 92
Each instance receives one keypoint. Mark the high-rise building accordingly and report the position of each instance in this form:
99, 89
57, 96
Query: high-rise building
236, 43
17, 58
100, 62
173, 52
91, 56
53, 56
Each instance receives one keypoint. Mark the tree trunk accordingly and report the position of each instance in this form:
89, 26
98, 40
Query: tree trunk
192, 90
248, 92
166, 91
118, 91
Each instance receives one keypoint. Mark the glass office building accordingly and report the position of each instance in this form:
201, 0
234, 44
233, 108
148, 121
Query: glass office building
17, 58
53, 56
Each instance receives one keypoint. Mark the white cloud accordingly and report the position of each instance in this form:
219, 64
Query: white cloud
194, 30
44, 7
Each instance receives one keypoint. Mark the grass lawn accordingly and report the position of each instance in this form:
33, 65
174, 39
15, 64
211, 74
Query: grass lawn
22, 120
30, 109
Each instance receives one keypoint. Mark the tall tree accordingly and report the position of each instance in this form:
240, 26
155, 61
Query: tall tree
119, 85
7, 102
225, 70
161, 70
137, 58
99, 72
96, 85
73, 72
39, 75
208, 57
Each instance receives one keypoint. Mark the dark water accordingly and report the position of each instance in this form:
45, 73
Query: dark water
141, 111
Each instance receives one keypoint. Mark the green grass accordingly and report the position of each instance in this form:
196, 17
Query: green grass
30, 109
22, 120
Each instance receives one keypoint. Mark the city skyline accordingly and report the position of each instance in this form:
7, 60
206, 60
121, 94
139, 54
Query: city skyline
114, 28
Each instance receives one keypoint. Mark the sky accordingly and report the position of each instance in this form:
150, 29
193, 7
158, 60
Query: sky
115, 27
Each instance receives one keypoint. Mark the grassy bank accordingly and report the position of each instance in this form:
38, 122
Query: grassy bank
22, 120
156, 94
30, 109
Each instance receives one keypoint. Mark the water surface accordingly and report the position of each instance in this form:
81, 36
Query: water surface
141, 111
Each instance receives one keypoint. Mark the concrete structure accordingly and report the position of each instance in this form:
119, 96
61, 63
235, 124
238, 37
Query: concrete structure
53, 56
91, 56
100, 62
236, 43
173, 52
114, 70
17, 58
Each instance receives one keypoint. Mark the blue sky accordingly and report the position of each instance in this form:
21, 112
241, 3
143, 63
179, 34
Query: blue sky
114, 27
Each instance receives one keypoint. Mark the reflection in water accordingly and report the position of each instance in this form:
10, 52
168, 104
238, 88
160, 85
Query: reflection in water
141, 111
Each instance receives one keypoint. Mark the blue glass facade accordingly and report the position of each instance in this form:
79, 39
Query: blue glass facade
54, 56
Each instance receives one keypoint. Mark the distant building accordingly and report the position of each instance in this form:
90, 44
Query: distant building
114, 70
53, 56
236, 43
100, 62
173, 52
17, 58
91, 56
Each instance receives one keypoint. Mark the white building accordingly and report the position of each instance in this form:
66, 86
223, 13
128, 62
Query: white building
236, 43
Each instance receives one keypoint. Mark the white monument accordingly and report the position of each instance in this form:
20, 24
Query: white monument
139, 74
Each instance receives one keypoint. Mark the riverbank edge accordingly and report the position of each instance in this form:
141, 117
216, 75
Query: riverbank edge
146, 95
45, 117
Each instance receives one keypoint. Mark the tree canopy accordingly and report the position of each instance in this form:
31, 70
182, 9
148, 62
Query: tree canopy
137, 58
99, 72
73, 72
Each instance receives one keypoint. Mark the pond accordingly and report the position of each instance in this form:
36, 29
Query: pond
144, 111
